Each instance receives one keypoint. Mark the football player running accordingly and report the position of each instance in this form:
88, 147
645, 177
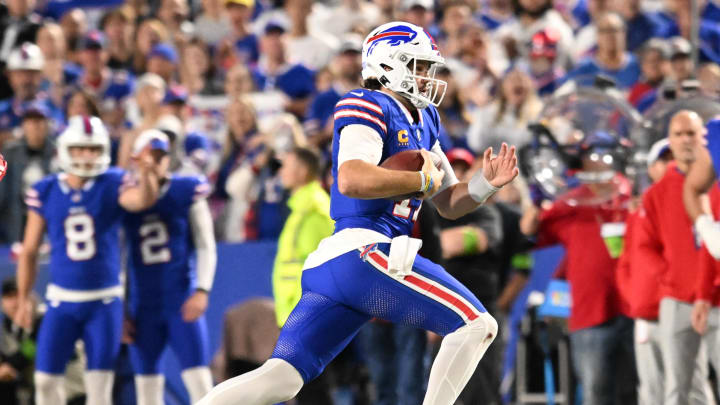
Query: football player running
172, 262
369, 267
81, 208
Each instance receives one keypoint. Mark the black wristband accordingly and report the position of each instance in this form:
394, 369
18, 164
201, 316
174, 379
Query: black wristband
199, 289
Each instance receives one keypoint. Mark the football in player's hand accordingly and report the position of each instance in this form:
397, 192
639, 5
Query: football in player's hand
409, 160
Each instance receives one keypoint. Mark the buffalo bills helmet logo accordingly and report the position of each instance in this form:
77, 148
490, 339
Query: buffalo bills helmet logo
395, 36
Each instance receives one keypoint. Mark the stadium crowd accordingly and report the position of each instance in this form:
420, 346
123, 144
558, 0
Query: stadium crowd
240, 85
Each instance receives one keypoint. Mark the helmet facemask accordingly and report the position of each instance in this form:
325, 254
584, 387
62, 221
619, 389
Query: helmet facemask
81, 166
407, 85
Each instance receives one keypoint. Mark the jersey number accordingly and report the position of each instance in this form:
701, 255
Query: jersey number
80, 232
403, 210
153, 247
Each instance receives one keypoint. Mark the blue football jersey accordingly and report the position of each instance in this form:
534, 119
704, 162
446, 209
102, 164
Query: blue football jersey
162, 252
713, 144
392, 121
82, 227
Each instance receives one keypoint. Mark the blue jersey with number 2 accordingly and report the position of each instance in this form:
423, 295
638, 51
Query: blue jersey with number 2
162, 252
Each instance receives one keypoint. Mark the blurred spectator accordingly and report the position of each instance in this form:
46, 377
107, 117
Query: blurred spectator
452, 110
96, 77
212, 24
669, 241
149, 33
238, 82
243, 43
351, 16
681, 62
588, 221
307, 224
57, 71
494, 13
174, 15
29, 160
249, 335
144, 112
586, 38
163, 61
273, 71
196, 151
456, 16
611, 57
641, 26
74, 25
312, 49
709, 77
532, 16
198, 73
24, 71
654, 66
119, 28
418, 12
80, 102
18, 26
543, 68
505, 119
473, 67
347, 68
243, 156
470, 247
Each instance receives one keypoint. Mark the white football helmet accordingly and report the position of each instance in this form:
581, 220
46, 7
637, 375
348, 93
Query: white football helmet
390, 55
84, 131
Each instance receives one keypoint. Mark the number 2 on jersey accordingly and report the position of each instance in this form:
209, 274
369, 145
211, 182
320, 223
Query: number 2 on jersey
153, 247
80, 233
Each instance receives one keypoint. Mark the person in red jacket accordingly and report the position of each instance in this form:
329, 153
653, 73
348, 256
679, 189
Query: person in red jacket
639, 268
588, 222
667, 236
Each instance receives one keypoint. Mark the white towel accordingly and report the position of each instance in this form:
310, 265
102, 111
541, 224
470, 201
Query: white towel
403, 250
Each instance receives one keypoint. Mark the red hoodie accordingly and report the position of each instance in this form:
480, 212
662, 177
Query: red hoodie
668, 234
590, 269
638, 269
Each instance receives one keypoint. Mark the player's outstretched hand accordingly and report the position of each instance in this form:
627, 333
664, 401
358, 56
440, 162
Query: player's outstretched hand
23, 314
501, 169
194, 306
433, 172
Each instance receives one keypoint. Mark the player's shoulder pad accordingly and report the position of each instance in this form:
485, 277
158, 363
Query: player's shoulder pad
363, 106
432, 112
193, 185
35, 195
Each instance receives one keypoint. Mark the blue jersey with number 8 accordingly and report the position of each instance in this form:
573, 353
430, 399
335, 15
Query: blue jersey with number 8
82, 227
394, 124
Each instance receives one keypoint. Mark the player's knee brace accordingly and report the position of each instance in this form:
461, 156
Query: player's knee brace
49, 388
485, 323
149, 389
198, 382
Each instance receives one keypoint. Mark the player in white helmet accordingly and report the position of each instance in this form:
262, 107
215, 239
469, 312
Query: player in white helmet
80, 209
369, 267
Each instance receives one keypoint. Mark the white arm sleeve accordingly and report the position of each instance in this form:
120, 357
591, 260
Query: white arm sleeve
202, 232
449, 179
359, 142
